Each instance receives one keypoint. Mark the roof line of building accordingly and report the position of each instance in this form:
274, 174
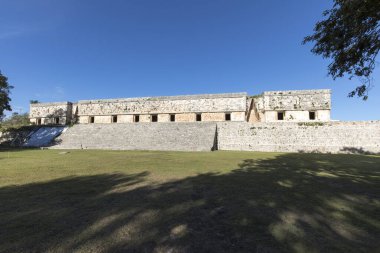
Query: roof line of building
158, 98
297, 92
181, 97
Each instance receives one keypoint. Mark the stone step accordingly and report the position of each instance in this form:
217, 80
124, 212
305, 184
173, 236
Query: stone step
195, 136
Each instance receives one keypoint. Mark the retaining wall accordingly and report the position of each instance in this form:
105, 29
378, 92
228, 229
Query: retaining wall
173, 136
325, 137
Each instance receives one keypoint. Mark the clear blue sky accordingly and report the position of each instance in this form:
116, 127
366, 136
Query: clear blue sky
86, 49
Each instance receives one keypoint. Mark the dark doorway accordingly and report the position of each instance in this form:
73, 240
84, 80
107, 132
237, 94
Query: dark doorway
280, 116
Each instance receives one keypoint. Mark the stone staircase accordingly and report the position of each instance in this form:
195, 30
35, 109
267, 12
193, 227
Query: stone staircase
178, 136
43, 136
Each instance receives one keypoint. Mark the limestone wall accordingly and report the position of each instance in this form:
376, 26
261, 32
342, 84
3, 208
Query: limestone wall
233, 102
213, 116
124, 118
185, 117
324, 137
238, 116
295, 105
51, 120
102, 119
180, 117
298, 100
334, 137
47, 113
297, 115
255, 110
198, 136
74, 113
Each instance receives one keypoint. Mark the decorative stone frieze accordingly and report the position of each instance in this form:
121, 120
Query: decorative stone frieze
293, 106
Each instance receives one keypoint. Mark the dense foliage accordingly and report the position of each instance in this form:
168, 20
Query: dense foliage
4, 95
350, 35
15, 121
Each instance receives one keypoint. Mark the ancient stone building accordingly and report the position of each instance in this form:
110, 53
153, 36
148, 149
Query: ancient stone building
303, 105
276, 121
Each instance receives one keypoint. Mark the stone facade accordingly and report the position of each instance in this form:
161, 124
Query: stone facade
296, 105
58, 113
278, 121
303, 105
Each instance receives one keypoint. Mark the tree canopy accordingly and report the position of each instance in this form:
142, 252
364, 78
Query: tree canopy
4, 95
15, 121
350, 36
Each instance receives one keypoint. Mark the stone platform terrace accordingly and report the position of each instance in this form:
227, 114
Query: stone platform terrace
140, 136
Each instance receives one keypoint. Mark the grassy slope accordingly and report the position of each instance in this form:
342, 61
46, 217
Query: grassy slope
110, 201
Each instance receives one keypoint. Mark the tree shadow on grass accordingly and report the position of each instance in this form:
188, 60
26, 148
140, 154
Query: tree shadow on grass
292, 203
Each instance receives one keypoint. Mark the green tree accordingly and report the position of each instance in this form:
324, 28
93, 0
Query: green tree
4, 95
15, 121
34, 101
350, 36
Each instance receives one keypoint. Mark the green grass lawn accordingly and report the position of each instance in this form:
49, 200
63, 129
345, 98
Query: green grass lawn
131, 201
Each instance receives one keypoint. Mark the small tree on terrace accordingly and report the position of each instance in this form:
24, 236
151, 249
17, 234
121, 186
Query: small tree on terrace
4, 95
